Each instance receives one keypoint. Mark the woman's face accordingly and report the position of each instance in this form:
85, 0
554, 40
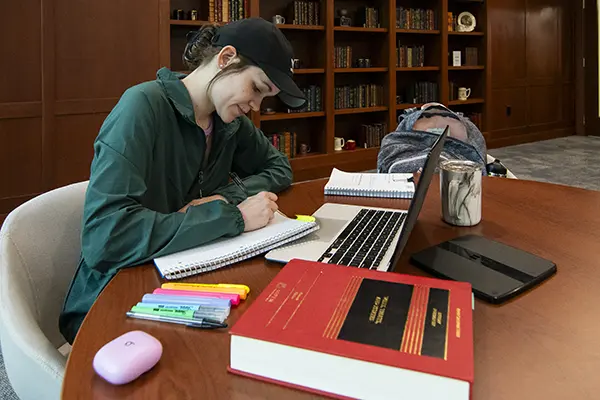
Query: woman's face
240, 92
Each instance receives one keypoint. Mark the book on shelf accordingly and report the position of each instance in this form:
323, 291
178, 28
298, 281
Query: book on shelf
415, 19
452, 91
285, 142
371, 135
302, 12
368, 17
225, 251
357, 333
452, 22
398, 186
410, 56
228, 10
421, 92
314, 101
471, 56
342, 57
358, 96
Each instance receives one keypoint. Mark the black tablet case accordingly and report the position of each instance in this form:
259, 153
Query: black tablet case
496, 271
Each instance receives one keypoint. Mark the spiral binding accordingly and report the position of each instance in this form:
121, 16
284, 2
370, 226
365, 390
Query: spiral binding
183, 270
338, 191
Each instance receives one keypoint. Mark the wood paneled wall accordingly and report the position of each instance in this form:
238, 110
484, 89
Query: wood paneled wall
532, 70
65, 64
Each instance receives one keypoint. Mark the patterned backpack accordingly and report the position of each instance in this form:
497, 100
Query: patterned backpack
405, 149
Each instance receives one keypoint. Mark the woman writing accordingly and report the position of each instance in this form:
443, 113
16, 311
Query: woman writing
163, 157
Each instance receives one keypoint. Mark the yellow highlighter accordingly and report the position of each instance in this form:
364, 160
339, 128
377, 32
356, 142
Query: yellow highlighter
242, 290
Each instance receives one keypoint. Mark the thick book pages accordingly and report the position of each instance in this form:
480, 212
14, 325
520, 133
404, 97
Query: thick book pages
353, 333
370, 185
227, 251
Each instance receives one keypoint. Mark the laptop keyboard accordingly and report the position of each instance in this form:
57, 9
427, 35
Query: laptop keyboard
365, 239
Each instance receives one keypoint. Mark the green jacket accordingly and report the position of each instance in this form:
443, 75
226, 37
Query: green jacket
147, 164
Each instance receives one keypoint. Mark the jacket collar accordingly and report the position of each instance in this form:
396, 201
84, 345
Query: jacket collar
181, 100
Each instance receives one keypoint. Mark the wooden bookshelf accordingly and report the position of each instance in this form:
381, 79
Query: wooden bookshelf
342, 111
359, 29
466, 33
466, 102
315, 42
360, 70
407, 106
467, 68
301, 27
418, 31
416, 69
293, 115
309, 71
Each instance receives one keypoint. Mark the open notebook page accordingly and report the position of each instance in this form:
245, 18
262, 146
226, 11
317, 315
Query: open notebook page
279, 227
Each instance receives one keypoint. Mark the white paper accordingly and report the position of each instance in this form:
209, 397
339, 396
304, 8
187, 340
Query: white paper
370, 181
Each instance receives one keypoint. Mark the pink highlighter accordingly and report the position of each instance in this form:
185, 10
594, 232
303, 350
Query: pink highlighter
127, 357
233, 297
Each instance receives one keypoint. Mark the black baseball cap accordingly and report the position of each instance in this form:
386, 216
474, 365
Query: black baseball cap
265, 46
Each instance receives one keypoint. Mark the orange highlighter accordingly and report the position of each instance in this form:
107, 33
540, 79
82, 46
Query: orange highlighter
241, 290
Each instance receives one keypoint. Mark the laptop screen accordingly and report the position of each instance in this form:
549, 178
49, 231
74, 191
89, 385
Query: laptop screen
429, 167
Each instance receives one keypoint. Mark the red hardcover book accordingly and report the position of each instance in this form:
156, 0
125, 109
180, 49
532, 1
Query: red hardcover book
347, 332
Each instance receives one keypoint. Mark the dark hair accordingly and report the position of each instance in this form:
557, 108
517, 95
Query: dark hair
200, 51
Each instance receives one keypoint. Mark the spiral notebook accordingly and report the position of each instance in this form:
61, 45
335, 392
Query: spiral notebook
226, 251
343, 183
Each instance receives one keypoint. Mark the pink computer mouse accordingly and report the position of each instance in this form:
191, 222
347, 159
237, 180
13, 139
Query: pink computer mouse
125, 358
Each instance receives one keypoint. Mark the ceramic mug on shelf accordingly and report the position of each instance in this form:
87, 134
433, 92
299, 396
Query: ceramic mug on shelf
304, 149
338, 143
350, 145
278, 19
464, 93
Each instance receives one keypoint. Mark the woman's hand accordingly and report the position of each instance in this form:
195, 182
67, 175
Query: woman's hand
197, 202
258, 210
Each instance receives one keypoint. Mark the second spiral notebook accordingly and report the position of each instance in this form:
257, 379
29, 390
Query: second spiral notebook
342, 183
226, 251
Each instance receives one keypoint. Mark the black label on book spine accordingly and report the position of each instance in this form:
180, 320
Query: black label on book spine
436, 324
378, 314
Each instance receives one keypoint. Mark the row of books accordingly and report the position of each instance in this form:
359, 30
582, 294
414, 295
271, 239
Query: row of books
471, 56
285, 142
421, 92
342, 57
314, 100
410, 56
371, 135
359, 96
228, 10
415, 18
368, 17
302, 12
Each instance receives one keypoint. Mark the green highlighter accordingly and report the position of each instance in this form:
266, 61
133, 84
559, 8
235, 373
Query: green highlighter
169, 312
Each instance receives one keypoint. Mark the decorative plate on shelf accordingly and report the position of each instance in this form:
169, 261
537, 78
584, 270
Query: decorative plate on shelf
466, 22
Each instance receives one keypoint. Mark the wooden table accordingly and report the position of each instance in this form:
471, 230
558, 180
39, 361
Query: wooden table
543, 344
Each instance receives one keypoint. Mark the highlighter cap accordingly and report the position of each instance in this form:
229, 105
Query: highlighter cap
127, 357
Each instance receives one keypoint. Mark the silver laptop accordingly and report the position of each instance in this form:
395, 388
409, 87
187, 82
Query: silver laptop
363, 237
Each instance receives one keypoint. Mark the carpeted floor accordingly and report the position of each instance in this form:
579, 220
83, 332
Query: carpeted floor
6, 392
570, 161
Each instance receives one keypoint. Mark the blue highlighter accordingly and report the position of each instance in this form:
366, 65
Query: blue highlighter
205, 301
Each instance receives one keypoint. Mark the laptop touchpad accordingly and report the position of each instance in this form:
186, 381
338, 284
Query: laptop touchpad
328, 229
